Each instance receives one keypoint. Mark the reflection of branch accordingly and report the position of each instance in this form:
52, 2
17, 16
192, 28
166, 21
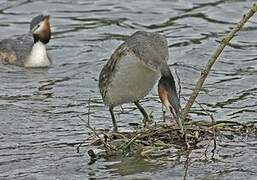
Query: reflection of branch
163, 114
206, 149
187, 164
213, 58
213, 129
214, 137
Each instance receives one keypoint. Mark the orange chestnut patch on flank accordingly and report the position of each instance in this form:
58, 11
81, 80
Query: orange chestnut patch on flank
163, 95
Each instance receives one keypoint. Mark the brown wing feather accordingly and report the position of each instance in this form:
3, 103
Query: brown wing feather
8, 57
109, 68
15, 50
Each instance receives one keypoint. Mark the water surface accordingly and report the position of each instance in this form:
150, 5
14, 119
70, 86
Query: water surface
39, 108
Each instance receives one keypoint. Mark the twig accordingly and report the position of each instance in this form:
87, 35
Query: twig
213, 58
108, 146
88, 111
179, 85
201, 106
122, 109
127, 144
80, 144
231, 122
87, 124
181, 124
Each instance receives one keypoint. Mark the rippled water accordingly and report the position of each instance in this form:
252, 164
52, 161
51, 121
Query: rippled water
39, 127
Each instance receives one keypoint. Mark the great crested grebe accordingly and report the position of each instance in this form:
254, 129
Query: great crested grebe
132, 71
28, 50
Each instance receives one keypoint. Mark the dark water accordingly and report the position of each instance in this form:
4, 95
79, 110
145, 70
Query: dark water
39, 127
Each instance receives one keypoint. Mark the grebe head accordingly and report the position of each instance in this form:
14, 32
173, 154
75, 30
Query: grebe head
40, 28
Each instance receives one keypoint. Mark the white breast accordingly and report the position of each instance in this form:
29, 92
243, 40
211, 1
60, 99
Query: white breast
132, 81
38, 56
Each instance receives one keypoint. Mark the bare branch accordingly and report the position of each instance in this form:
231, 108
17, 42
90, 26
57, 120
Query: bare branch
204, 73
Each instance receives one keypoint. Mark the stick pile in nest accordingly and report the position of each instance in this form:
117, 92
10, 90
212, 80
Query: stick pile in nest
158, 140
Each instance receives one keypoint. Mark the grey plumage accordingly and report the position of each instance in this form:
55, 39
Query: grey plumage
133, 69
150, 48
20, 45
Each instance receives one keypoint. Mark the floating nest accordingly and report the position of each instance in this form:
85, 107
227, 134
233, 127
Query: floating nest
158, 140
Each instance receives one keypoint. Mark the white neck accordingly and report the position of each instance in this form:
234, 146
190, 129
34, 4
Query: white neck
38, 56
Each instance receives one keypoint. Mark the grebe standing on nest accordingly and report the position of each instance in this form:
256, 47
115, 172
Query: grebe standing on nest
132, 71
